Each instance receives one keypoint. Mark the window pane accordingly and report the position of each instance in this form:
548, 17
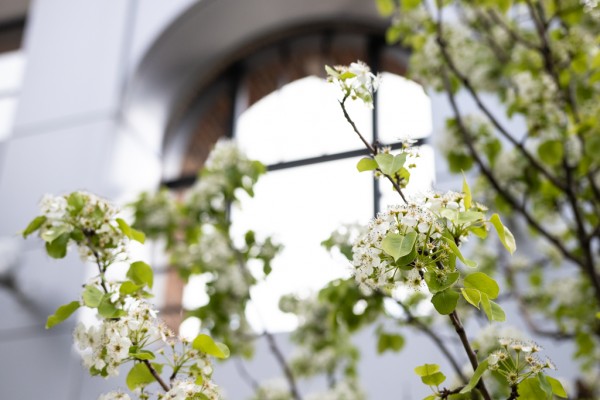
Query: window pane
403, 109
8, 106
11, 71
301, 207
303, 119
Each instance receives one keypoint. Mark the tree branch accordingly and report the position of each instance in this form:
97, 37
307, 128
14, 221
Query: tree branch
371, 148
156, 376
418, 324
460, 331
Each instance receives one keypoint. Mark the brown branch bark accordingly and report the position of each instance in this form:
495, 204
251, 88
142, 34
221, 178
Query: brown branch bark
156, 376
460, 331
371, 148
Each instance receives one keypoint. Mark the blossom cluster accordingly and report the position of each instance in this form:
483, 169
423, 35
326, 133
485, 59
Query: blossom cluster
86, 219
517, 360
226, 170
421, 222
184, 389
356, 81
106, 346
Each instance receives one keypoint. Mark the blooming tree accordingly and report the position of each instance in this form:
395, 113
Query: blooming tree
539, 60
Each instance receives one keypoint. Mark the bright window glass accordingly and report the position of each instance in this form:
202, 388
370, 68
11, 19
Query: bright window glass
300, 120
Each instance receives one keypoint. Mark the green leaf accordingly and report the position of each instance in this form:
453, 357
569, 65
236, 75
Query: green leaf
141, 273
531, 389
397, 245
34, 225
129, 287
481, 368
389, 164
497, 312
435, 285
468, 217
473, 296
557, 387
544, 384
62, 313
456, 251
142, 355
427, 369
206, 344
140, 375
366, 164
445, 302
467, 191
130, 232
385, 7
506, 237
106, 309
76, 203
483, 283
434, 379
92, 296
487, 306
551, 152
58, 247
389, 341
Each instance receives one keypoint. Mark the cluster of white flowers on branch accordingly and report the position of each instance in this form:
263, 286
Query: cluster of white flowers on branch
128, 330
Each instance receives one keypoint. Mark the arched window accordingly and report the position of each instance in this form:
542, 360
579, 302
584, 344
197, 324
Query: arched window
282, 112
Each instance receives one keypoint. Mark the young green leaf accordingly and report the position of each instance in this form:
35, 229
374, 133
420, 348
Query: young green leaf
557, 387
366, 164
436, 285
433, 379
398, 245
34, 225
531, 389
141, 273
58, 247
427, 369
389, 164
506, 237
498, 313
206, 344
140, 375
131, 233
388, 341
467, 191
92, 296
62, 313
142, 354
456, 251
481, 368
445, 302
473, 296
483, 283
385, 7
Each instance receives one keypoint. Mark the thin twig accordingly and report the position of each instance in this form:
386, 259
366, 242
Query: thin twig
418, 324
156, 376
460, 331
283, 363
243, 371
372, 149
273, 346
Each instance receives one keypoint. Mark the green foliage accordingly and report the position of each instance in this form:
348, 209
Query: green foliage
481, 368
389, 342
206, 344
445, 301
141, 273
57, 248
34, 225
62, 313
139, 375
399, 245
131, 233
92, 296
